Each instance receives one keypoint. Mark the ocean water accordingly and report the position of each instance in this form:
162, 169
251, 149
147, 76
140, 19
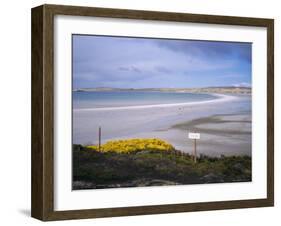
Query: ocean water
133, 98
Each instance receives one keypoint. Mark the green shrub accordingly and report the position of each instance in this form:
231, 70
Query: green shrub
133, 145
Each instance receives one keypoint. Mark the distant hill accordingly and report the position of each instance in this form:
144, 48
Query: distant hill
217, 89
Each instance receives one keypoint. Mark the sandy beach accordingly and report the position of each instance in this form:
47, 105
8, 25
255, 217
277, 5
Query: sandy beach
224, 124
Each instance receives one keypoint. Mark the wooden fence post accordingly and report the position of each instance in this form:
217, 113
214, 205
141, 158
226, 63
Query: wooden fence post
99, 138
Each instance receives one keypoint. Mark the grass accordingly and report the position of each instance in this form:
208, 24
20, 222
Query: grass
145, 162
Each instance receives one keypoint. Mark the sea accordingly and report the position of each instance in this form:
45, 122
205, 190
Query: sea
111, 99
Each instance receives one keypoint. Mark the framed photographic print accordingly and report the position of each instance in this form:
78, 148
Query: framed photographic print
142, 112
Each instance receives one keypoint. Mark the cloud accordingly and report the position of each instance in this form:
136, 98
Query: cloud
163, 69
138, 62
242, 84
207, 49
130, 68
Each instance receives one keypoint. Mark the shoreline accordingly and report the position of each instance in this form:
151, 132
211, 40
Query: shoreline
156, 122
221, 98
227, 133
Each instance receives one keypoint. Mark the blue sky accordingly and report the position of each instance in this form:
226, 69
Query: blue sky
119, 62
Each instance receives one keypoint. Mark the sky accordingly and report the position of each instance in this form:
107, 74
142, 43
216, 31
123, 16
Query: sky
122, 62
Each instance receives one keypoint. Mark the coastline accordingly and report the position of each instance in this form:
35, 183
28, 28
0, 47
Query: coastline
227, 134
171, 123
221, 98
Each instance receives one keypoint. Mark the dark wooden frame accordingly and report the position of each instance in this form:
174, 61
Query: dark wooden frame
42, 203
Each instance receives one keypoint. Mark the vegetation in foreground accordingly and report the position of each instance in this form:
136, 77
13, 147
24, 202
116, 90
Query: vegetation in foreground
151, 162
133, 146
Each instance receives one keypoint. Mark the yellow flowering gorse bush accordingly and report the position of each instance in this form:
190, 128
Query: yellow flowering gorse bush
134, 145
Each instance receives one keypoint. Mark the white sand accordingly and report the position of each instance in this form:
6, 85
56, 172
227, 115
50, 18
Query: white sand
159, 121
